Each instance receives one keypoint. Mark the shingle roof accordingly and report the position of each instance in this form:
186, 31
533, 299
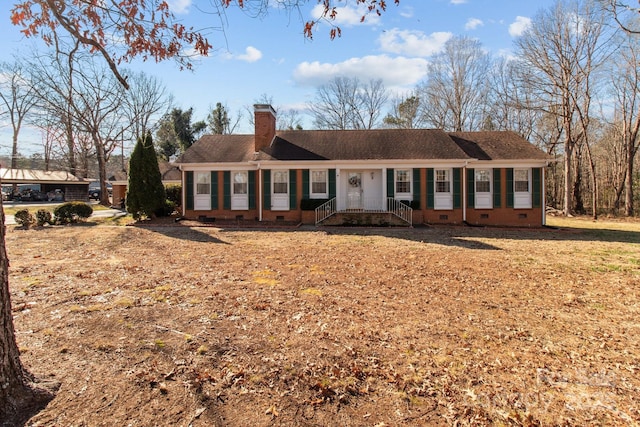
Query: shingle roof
219, 149
497, 145
376, 144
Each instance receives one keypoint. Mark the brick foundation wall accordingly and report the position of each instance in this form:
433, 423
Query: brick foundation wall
505, 217
453, 216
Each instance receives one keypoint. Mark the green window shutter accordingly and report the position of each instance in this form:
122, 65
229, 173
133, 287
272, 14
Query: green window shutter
416, 188
430, 187
266, 189
510, 187
457, 188
252, 189
537, 187
226, 181
189, 189
332, 183
390, 181
497, 189
293, 189
305, 183
214, 190
471, 188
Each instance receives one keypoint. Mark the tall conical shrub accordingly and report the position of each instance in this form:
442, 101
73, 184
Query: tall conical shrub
145, 191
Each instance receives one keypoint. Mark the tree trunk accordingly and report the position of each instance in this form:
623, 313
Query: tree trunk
20, 396
568, 149
628, 197
102, 171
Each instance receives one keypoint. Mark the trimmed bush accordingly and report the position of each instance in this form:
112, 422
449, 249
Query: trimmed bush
72, 212
43, 217
413, 204
167, 210
174, 193
24, 218
311, 204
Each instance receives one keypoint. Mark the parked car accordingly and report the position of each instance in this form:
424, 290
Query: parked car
94, 190
94, 193
56, 195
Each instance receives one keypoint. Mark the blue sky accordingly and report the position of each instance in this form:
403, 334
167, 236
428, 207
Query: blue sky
270, 56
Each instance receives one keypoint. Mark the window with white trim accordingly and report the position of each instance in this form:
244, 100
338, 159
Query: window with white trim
483, 198
443, 181
280, 182
240, 182
403, 181
483, 180
203, 183
522, 188
520, 180
319, 184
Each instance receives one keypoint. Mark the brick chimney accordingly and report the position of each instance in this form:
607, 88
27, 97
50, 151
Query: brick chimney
265, 125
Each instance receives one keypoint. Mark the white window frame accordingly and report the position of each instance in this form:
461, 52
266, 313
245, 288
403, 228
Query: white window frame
280, 199
242, 186
239, 192
318, 195
203, 181
402, 195
202, 199
443, 199
522, 198
483, 198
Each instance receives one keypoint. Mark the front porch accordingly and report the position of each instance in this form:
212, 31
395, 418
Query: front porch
382, 212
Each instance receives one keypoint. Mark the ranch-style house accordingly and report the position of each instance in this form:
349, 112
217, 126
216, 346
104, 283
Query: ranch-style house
390, 176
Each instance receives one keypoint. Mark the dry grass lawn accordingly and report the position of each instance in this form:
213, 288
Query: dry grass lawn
202, 326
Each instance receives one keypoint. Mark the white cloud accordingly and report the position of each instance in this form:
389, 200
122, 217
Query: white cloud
407, 12
458, 1
347, 16
473, 23
519, 26
251, 54
395, 73
179, 6
412, 43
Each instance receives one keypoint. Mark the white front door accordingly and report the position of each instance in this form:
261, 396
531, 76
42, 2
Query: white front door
354, 190
280, 190
240, 190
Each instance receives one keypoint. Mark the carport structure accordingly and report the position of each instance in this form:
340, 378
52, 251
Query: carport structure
74, 188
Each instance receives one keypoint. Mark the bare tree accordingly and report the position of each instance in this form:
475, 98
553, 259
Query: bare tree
626, 89
18, 97
557, 56
513, 104
98, 111
53, 75
625, 15
454, 93
146, 101
347, 103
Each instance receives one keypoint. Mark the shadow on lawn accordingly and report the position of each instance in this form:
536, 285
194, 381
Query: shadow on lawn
186, 233
469, 237
465, 236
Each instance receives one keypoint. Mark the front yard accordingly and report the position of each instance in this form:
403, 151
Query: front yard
178, 326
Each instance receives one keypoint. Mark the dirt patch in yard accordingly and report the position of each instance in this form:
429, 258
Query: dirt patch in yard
175, 325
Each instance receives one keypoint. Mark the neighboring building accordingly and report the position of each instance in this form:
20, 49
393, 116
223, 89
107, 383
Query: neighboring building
418, 175
171, 175
50, 185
